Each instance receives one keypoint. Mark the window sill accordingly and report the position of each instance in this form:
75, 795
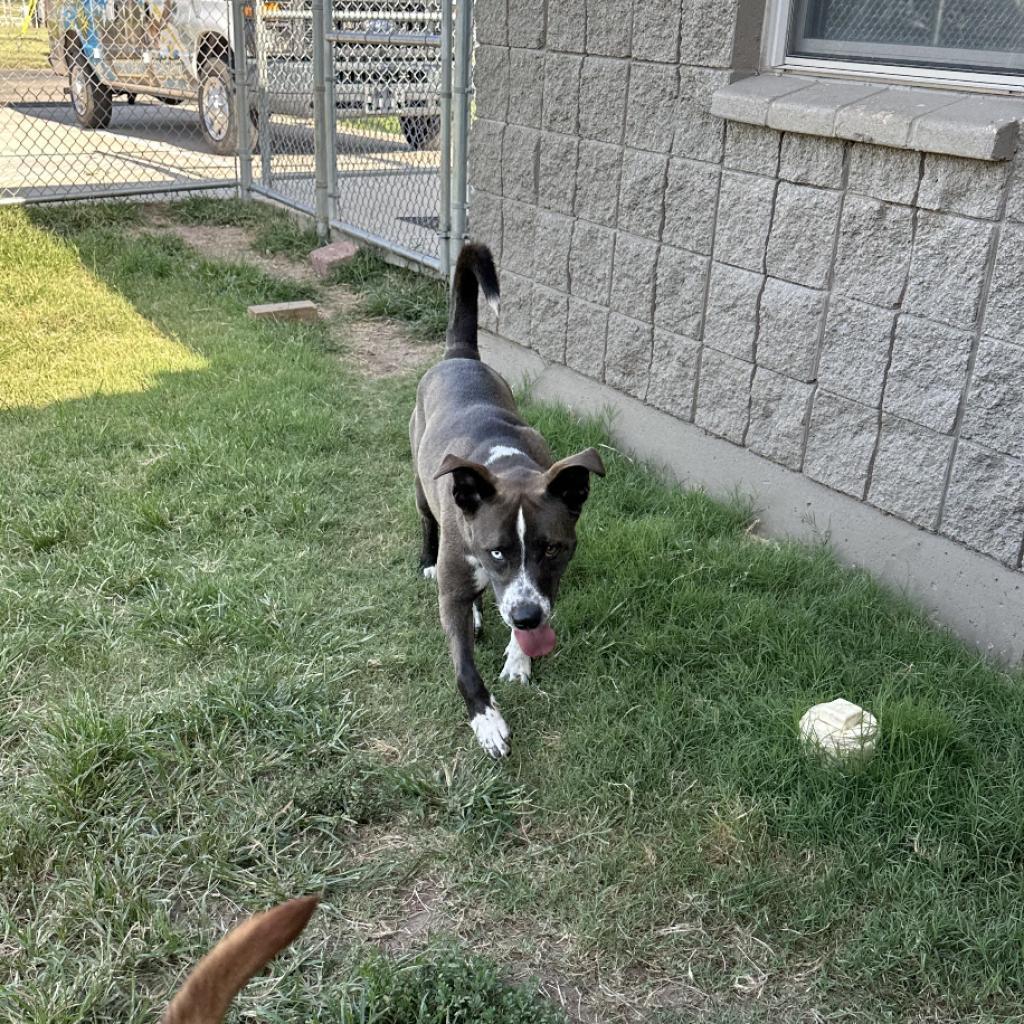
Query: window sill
904, 117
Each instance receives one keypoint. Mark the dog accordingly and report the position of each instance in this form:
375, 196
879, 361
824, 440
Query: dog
247, 949
496, 510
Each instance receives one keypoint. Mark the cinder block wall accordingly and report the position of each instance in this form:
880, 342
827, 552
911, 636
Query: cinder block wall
852, 312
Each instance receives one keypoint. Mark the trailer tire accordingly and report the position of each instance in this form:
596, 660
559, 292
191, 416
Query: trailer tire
91, 101
422, 131
217, 106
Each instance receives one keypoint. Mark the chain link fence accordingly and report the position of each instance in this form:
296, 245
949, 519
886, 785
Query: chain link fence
107, 98
340, 109
384, 128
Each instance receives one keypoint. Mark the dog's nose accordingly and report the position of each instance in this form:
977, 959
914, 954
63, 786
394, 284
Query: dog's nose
527, 616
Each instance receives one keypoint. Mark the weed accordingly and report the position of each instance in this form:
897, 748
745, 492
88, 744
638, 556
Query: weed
441, 986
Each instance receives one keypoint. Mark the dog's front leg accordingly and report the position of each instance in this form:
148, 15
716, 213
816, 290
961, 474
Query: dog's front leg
457, 620
517, 663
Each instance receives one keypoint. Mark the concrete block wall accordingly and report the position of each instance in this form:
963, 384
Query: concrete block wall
849, 311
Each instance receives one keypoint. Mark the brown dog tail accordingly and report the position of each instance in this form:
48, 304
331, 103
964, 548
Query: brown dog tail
221, 974
474, 269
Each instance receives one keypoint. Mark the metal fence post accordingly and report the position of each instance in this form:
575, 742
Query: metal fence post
320, 134
444, 214
330, 113
262, 103
242, 117
463, 88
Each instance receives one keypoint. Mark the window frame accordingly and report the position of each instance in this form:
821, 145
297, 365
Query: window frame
775, 57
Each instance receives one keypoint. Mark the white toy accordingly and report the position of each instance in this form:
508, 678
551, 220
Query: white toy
840, 729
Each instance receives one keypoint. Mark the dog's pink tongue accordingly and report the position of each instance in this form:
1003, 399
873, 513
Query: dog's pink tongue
535, 643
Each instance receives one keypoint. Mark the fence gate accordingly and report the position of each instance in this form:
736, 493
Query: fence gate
352, 117
108, 98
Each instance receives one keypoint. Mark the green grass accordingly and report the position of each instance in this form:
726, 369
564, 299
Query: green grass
439, 988
224, 684
381, 124
275, 231
24, 49
389, 291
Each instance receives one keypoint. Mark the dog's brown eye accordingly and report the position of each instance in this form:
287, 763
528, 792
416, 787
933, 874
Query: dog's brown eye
550, 551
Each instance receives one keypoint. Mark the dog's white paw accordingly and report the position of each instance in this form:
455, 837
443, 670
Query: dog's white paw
430, 572
478, 620
491, 732
517, 664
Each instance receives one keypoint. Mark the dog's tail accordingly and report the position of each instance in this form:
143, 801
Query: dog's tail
474, 267
220, 975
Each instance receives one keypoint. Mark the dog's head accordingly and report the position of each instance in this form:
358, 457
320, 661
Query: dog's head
220, 975
521, 528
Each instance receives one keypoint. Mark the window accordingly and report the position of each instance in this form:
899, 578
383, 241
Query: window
975, 41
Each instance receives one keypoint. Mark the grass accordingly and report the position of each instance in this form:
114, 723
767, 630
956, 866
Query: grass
389, 291
224, 684
275, 232
381, 124
386, 291
24, 49
440, 988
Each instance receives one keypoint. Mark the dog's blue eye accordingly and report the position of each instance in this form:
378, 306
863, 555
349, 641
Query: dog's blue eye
497, 556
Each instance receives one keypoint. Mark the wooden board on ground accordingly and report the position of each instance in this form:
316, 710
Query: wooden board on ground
301, 310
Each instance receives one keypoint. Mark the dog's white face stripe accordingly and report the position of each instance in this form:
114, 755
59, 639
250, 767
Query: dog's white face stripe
522, 590
502, 451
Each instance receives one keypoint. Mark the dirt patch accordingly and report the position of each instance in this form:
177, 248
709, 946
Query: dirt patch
383, 348
422, 915
378, 348
233, 245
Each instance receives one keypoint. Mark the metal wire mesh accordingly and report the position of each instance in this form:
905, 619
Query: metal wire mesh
281, 76
114, 97
386, 96
382, 67
995, 26
134, 97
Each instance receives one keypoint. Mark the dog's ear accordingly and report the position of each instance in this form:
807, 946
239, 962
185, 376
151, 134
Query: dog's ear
472, 484
220, 975
568, 480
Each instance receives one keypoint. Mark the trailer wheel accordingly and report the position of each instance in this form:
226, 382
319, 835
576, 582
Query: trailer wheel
91, 101
217, 106
422, 131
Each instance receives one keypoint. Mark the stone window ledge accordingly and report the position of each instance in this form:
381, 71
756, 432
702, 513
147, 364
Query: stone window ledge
929, 120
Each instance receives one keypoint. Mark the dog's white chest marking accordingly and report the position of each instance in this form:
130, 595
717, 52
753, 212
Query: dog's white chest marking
491, 731
522, 590
478, 619
501, 451
430, 572
517, 664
